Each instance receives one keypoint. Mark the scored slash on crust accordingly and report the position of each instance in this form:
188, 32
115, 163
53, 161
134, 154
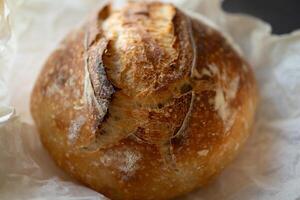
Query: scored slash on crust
193, 73
102, 90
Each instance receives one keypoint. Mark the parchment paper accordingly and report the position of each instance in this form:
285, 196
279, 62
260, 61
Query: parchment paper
268, 166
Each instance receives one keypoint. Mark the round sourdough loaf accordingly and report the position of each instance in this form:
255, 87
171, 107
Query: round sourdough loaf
144, 102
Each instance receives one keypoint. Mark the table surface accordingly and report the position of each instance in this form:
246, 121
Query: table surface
283, 15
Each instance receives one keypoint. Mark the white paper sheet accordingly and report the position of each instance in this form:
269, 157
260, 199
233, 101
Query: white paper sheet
268, 166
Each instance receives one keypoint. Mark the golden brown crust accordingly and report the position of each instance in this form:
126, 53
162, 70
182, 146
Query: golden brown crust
144, 102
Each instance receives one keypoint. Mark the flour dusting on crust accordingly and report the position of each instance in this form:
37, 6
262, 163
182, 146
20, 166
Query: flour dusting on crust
221, 104
224, 94
233, 88
124, 160
75, 127
203, 152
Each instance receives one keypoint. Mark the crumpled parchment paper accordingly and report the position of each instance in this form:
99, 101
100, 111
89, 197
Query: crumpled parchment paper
268, 166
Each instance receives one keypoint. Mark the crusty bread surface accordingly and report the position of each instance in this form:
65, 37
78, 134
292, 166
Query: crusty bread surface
144, 102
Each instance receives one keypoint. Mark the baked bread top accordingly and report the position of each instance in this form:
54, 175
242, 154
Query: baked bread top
144, 102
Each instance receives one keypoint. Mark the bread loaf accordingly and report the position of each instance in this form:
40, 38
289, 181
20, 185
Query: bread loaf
144, 102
